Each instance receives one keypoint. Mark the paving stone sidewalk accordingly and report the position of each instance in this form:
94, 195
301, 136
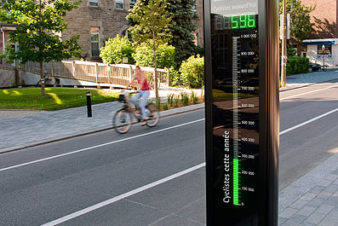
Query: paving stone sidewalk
312, 199
46, 126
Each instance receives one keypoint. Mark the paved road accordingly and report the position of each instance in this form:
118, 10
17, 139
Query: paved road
75, 174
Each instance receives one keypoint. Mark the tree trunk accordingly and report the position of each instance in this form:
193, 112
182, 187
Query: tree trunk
42, 81
156, 84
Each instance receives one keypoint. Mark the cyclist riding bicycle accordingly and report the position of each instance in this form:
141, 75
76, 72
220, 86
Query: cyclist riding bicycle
142, 94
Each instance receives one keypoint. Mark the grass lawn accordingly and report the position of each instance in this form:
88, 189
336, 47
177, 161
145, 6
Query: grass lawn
54, 99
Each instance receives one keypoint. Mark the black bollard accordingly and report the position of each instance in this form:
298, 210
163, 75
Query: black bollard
89, 104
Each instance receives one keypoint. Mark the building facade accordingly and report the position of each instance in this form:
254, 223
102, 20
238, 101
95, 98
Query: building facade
199, 33
5, 30
325, 18
97, 20
322, 47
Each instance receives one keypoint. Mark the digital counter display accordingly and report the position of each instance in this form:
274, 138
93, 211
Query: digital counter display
239, 22
242, 86
235, 109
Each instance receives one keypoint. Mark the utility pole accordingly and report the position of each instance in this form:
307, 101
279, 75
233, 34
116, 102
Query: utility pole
284, 57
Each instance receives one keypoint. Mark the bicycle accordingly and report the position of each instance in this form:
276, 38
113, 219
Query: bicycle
123, 118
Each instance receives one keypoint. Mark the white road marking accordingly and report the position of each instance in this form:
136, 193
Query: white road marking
309, 121
123, 196
161, 181
97, 146
313, 91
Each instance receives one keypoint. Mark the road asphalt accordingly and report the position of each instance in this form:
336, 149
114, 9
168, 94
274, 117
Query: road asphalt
47, 182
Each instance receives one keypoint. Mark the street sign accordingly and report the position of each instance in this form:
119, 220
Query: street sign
288, 26
242, 111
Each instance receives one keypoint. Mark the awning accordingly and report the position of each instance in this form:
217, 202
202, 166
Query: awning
320, 41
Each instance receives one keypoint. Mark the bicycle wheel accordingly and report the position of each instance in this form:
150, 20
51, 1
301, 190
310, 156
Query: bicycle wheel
153, 116
122, 121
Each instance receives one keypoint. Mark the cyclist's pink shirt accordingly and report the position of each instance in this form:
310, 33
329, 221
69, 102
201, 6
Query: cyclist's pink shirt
145, 85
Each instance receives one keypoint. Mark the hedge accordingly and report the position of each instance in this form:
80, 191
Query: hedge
297, 65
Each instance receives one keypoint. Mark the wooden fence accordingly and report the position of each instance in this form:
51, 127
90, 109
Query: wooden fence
112, 74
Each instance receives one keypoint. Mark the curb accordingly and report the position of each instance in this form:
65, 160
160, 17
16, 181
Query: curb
305, 85
164, 114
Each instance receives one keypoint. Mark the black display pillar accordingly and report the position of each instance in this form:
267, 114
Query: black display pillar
242, 111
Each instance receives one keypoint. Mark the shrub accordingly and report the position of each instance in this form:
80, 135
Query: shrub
144, 56
297, 65
115, 49
170, 99
175, 77
176, 101
291, 52
199, 51
165, 106
193, 98
192, 71
184, 99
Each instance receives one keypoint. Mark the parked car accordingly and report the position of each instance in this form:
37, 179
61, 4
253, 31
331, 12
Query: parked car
315, 67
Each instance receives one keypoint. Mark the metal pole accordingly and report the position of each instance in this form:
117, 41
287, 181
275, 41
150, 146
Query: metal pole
89, 104
284, 57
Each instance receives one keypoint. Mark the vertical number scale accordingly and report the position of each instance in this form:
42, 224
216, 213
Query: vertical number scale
235, 87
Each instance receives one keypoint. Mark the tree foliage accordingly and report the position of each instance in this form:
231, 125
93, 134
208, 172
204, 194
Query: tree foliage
115, 49
301, 26
151, 23
165, 56
192, 71
39, 25
183, 40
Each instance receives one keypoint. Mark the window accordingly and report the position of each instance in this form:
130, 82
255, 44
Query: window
127, 35
119, 4
132, 3
325, 49
95, 41
93, 2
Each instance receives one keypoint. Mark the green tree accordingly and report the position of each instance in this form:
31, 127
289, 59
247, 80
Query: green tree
39, 24
115, 49
301, 27
151, 27
183, 40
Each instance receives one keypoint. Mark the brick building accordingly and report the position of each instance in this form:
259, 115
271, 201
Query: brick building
97, 20
325, 18
199, 33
